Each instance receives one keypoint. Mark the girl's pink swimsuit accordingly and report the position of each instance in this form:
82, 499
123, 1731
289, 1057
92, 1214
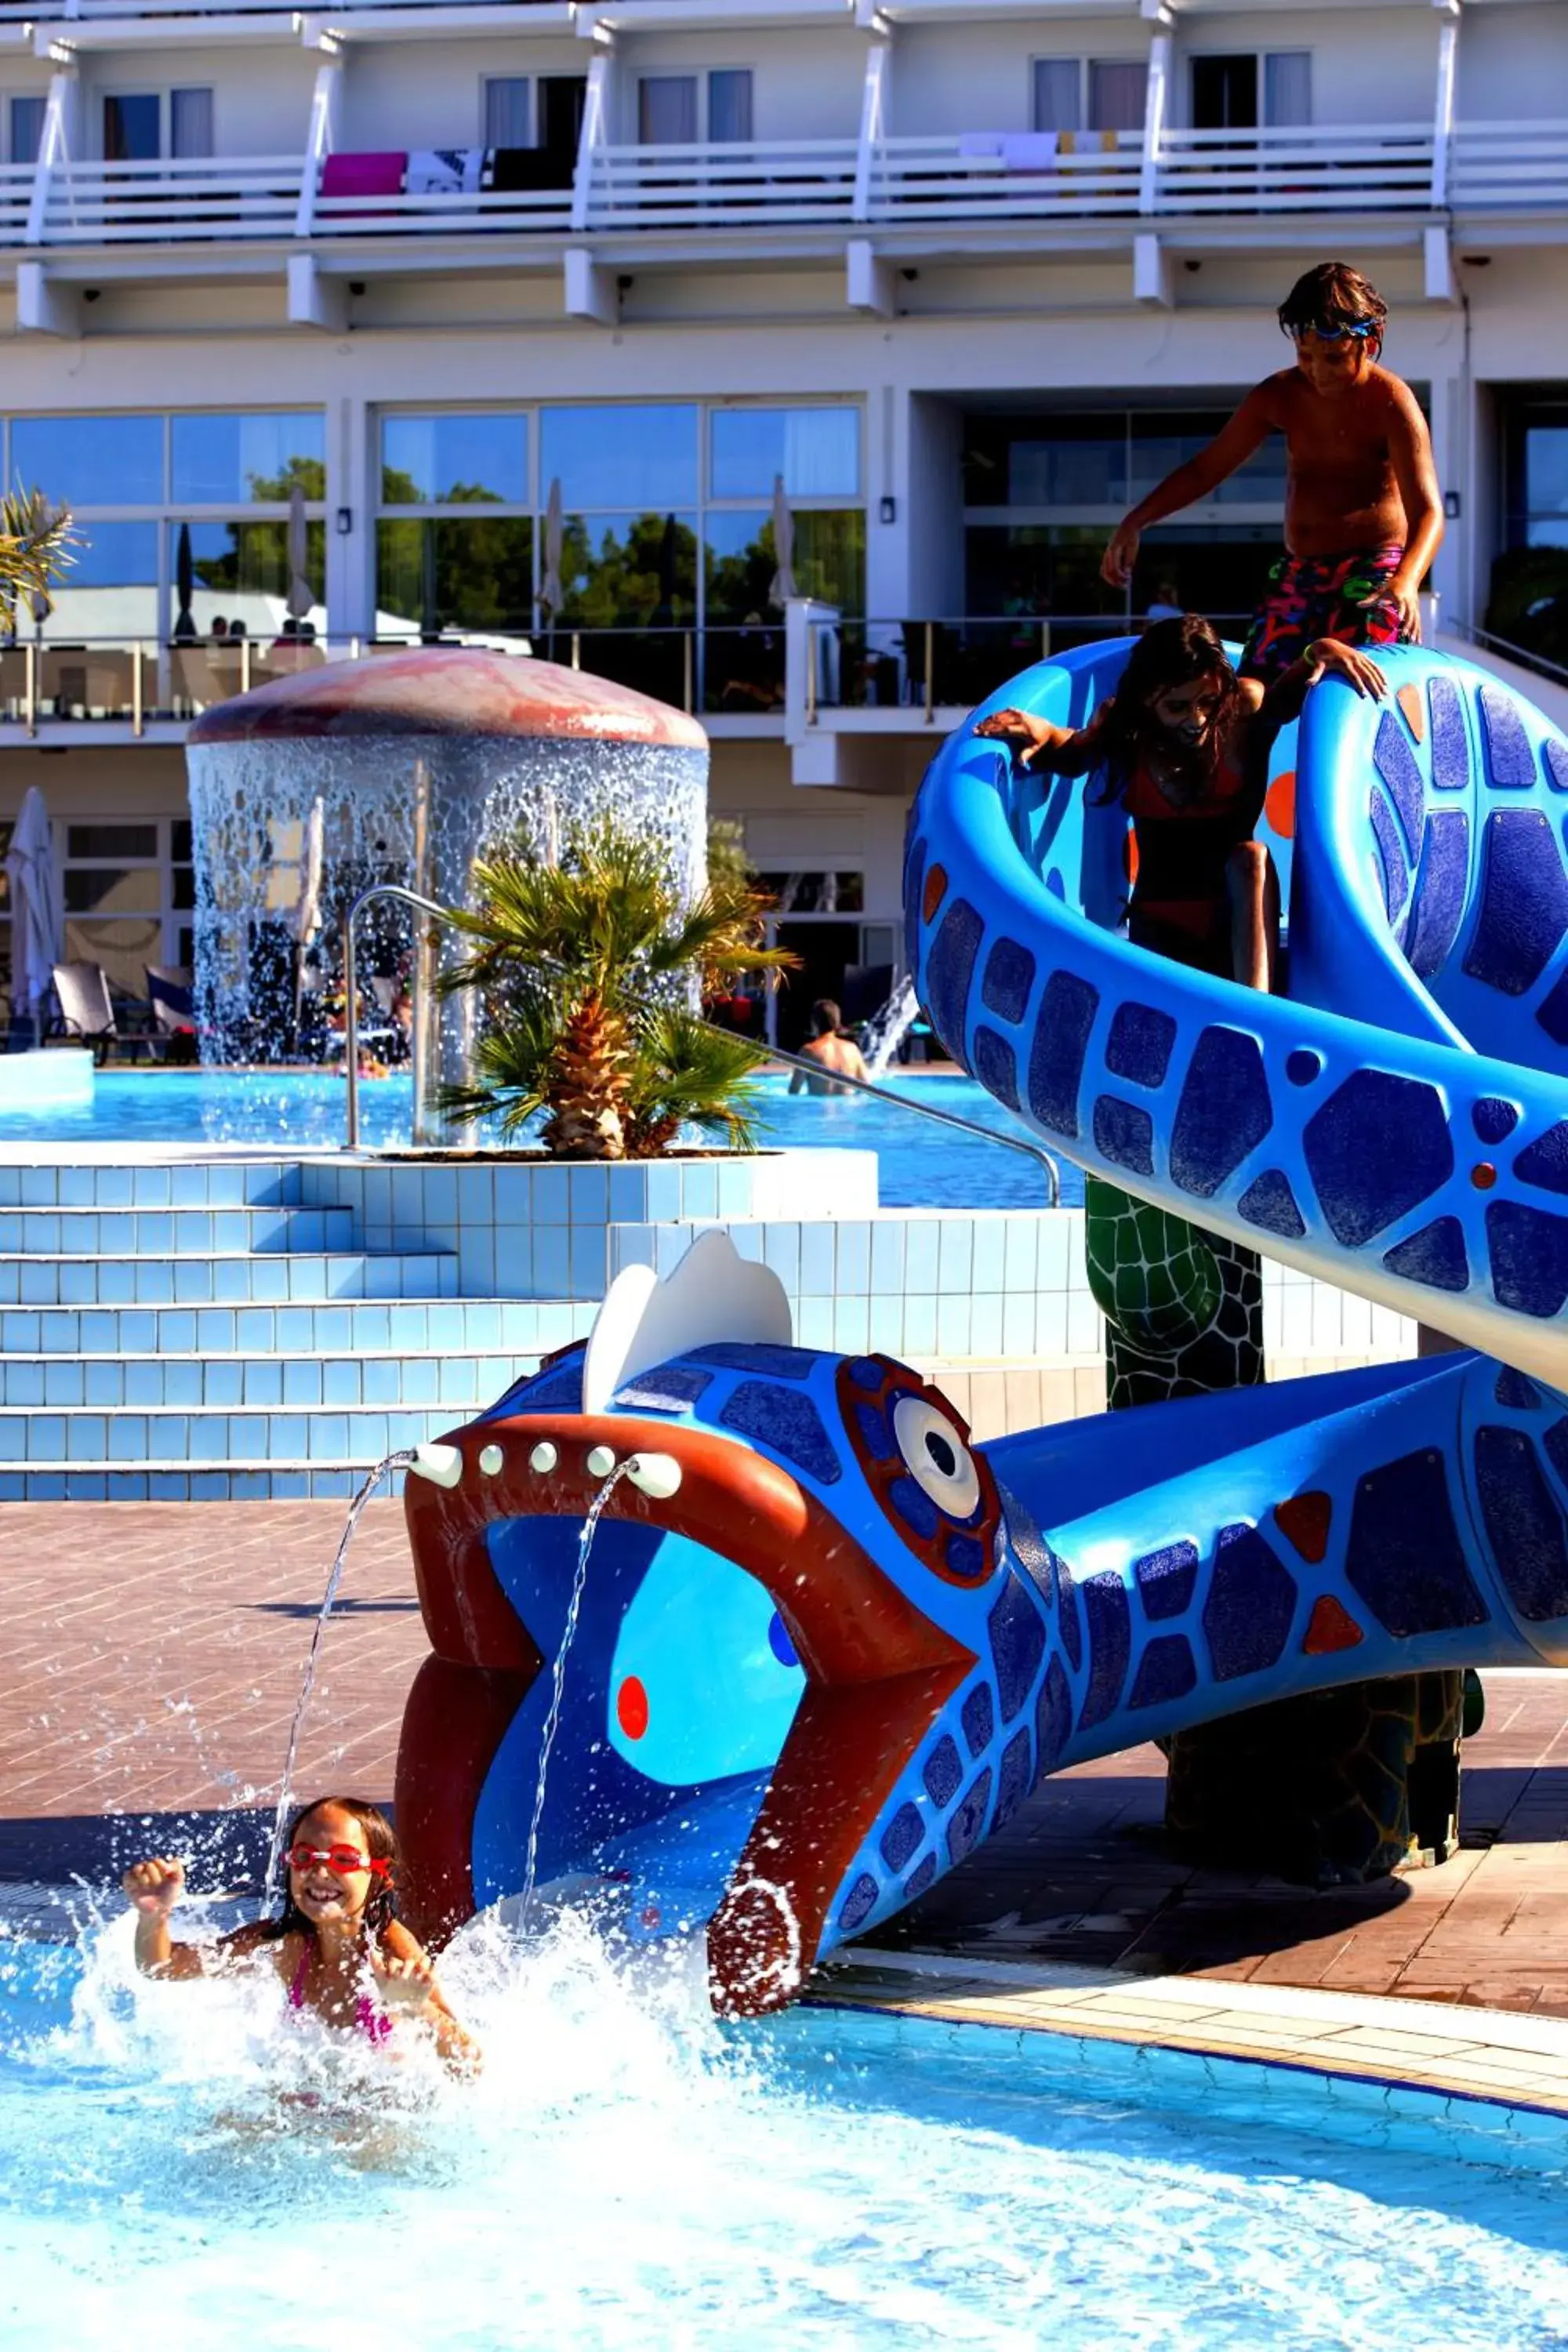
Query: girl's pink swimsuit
373, 2022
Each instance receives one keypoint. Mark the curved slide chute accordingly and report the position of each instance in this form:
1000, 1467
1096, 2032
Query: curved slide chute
825, 1645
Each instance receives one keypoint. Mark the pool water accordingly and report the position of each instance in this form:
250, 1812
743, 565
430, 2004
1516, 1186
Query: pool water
628, 2174
922, 1165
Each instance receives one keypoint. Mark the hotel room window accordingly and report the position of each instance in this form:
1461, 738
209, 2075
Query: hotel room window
679, 110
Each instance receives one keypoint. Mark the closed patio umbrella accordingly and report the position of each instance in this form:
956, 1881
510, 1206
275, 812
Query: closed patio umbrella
306, 919
302, 596
185, 587
783, 586
550, 596
35, 942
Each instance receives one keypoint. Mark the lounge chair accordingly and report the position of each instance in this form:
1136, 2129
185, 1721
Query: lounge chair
87, 1011
174, 1010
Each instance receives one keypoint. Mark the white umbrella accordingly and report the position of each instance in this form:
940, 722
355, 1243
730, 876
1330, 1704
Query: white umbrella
550, 594
782, 587
35, 943
302, 597
308, 906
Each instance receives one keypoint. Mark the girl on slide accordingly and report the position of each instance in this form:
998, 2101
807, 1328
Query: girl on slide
337, 1946
1183, 744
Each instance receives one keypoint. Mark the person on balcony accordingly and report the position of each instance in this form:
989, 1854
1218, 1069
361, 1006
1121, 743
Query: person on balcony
1363, 514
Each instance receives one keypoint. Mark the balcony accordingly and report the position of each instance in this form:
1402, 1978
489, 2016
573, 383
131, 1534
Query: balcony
749, 183
169, 202
973, 177
1308, 170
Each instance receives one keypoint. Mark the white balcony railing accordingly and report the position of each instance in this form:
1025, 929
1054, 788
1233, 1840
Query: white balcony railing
1509, 167
494, 212
1315, 169
173, 202
16, 196
949, 177
751, 183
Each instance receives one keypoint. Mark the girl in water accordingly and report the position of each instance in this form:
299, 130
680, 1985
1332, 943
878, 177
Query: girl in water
1183, 746
337, 1946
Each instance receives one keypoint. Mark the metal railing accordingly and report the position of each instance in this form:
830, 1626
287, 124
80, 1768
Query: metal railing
944, 665
947, 1118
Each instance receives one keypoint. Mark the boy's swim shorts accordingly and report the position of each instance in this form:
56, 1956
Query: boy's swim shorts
1320, 596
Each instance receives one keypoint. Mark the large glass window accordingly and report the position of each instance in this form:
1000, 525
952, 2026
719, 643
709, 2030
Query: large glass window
1118, 93
90, 461
816, 450
1058, 104
27, 128
451, 574
132, 127
509, 110
241, 572
247, 460
454, 460
828, 561
644, 456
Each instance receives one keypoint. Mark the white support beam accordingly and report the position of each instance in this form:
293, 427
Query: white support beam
43, 306
314, 301
326, 109
869, 281
59, 141
1152, 281
597, 104
589, 290
873, 124
1442, 112
1155, 105
1438, 255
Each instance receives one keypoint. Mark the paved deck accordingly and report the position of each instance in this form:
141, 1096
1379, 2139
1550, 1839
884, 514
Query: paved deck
149, 1660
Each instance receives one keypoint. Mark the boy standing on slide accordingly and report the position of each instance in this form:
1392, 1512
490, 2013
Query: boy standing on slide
1363, 514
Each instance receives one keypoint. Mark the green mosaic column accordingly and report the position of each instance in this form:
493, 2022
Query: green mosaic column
1342, 1786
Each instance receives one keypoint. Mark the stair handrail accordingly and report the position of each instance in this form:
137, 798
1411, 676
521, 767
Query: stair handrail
765, 1053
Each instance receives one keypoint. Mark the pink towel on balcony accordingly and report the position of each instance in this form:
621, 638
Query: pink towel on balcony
364, 175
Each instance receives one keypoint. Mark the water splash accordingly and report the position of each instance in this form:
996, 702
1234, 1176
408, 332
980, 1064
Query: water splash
558, 1683
886, 1031
397, 1461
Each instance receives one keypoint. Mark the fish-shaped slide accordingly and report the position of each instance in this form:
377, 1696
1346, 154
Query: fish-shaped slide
821, 1644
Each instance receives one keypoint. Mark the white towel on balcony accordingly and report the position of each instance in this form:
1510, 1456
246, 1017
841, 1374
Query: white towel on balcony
973, 143
1030, 151
443, 171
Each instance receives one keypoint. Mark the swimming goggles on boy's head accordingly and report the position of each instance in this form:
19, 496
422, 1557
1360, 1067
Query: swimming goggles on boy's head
342, 1858
1355, 330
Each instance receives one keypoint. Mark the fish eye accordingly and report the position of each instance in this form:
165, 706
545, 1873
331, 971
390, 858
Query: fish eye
936, 1456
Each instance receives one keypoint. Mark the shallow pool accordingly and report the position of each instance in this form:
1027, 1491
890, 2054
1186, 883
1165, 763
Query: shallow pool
922, 1165
626, 2174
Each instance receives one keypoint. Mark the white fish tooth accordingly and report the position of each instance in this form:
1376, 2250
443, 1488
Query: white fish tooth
601, 1462
443, 1463
491, 1460
543, 1457
658, 1474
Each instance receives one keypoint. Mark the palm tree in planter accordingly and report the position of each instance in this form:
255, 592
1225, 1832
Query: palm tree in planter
581, 968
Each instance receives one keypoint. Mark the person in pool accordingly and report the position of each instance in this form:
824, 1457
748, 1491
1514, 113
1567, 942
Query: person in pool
1184, 745
337, 1946
1363, 517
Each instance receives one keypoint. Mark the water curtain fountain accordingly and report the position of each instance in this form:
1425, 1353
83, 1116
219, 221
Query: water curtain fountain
405, 769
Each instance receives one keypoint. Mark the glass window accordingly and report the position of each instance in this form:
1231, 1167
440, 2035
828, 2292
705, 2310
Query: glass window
667, 110
1160, 444
1546, 470
113, 555
817, 451
454, 460
112, 890
111, 841
132, 128
27, 128
1118, 90
730, 105
509, 115
629, 571
90, 461
1083, 463
455, 574
241, 572
124, 948
248, 460
1287, 87
828, 561
624, 457
190, 122
1057, 102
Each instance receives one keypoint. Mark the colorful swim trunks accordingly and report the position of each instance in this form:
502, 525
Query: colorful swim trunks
1320, 596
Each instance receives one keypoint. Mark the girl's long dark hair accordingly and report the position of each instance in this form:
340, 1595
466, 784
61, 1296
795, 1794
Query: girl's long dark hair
1169, 652
381, 1844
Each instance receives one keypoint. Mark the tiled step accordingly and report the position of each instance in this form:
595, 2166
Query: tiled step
303, 1275
179, 1232
409, 1326
187, 1482
128, 1440
180, 1383
201, 1184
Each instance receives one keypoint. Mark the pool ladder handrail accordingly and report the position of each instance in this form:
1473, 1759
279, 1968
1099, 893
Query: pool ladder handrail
763, 1053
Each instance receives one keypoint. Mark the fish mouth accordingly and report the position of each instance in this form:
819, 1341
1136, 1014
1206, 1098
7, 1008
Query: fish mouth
877, 1670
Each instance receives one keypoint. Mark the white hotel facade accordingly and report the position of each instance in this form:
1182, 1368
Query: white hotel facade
968, 275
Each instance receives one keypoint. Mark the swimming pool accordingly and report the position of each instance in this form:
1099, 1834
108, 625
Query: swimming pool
626, 2174
922, 1165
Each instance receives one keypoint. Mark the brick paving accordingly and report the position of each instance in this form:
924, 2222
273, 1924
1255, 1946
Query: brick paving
149, 1660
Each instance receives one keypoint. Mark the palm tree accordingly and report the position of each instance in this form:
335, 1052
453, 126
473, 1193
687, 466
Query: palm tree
38, 542
581, 968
